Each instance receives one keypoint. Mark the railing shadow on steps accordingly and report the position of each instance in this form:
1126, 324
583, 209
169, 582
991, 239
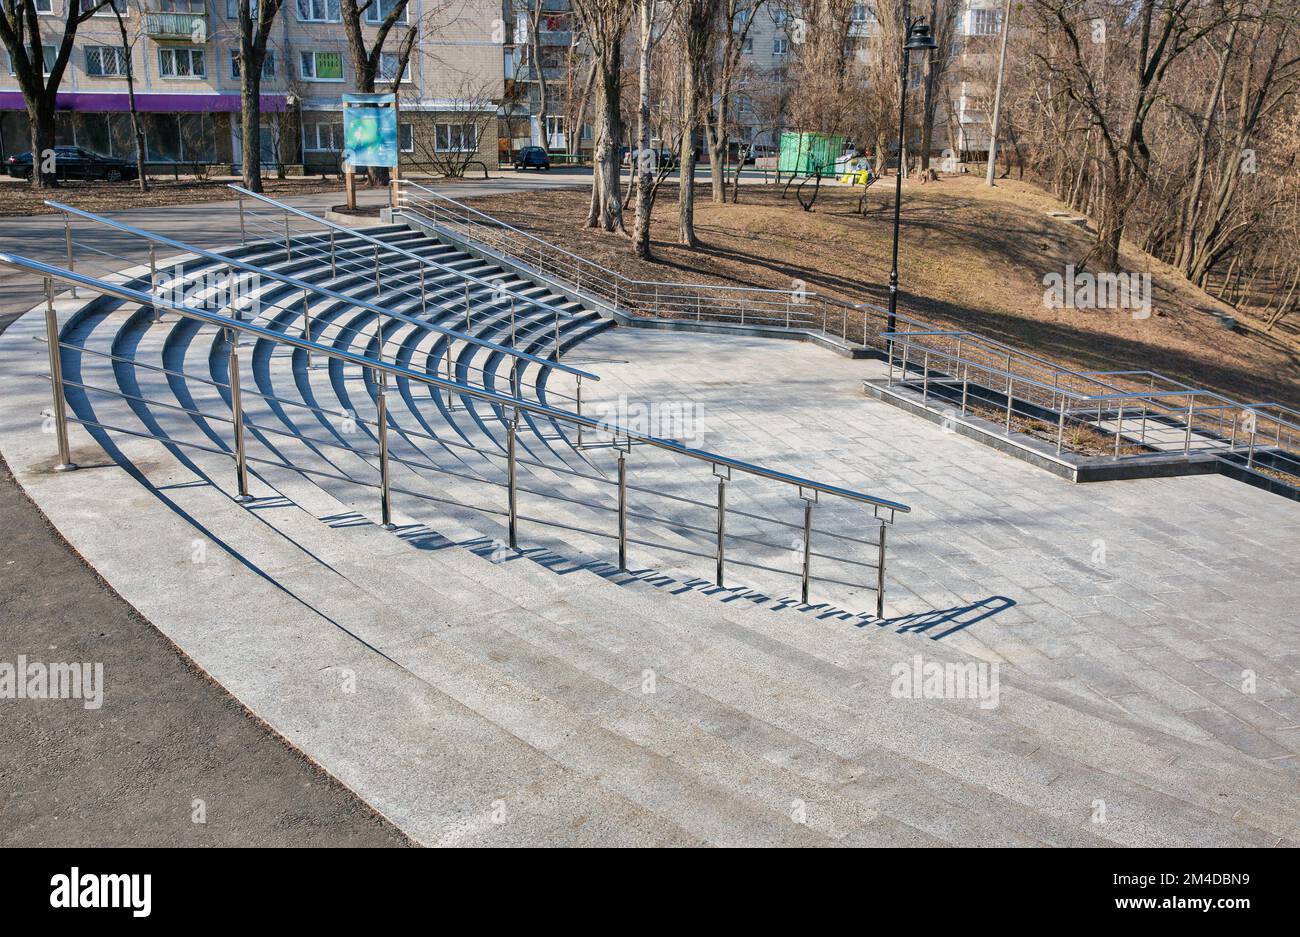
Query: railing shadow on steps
723, 468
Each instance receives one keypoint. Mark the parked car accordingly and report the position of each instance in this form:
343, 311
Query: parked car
662, 157
532, 157
71, 162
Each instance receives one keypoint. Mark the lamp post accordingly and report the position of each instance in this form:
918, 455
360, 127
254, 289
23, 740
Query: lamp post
918, 40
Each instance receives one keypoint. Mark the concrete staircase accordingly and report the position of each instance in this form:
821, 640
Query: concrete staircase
478, 695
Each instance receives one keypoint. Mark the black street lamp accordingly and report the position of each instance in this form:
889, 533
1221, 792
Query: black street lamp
918, 40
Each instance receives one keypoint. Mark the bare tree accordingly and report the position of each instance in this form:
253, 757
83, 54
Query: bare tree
697, 21
21, 32
736, 19
137, 129
367, 57
255, 20
604, 24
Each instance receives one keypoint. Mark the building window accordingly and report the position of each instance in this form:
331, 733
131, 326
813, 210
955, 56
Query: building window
48, 54
748, 47
106, 10
323, 136
181, 62
985, 22
106, 61
406, 138
780, 46
321, 66
378, 11
319, 11
42, 6
232, 9
780, 17
268, 64
455, 138
388, 67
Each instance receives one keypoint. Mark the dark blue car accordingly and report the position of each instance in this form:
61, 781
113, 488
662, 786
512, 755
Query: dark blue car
532, 157
71, 162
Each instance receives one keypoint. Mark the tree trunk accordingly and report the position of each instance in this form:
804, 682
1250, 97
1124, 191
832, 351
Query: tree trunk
137, 131
41, 123
686, 161
250, 123
644, 165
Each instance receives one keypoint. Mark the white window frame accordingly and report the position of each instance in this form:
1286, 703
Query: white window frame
302, 72
780, 45
382, 75
120, 58
437, 142
311, 141
191, 52
324, 5
372, 18
47, 61
105, 10
267, 59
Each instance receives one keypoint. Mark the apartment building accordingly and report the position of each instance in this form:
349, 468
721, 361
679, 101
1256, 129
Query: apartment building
524, 74
186, 74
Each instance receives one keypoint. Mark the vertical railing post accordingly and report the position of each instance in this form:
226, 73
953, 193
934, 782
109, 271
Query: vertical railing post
1060, 427
557, 336
1009, 401
237, 418
925, 375
880, 575
806, 576
56, 381
965, 386
424, 302
378, 288
722, 523
306, 323
334, 269
889, 351
513, 343
1119, 428
67, 241
513, 526
622, 509
288, 249
1187, 438
385, 496
467, 306
577, 394
243, 234
153, 280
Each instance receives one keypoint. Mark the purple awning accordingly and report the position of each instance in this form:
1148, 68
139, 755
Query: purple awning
99, 102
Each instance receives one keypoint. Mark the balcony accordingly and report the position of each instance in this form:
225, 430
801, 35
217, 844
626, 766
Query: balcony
185, 27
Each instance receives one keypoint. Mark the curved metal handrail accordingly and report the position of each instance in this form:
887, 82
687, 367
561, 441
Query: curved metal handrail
410, 255
72, 278
319, 290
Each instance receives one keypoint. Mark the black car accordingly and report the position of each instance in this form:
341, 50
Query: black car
532, 157
71, 162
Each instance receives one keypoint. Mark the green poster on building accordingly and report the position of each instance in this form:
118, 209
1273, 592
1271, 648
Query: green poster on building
370, 130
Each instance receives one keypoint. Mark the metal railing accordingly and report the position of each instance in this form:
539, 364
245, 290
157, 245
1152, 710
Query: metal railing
242, 290
377, 257
794, 308
723, 468
1120, 414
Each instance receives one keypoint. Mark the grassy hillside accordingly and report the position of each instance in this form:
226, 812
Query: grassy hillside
971, 257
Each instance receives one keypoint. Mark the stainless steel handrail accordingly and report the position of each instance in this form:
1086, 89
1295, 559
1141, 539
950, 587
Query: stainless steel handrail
722, 466
319, 290
393, 248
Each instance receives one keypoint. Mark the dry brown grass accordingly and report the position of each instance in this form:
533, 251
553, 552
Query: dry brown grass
971, 257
